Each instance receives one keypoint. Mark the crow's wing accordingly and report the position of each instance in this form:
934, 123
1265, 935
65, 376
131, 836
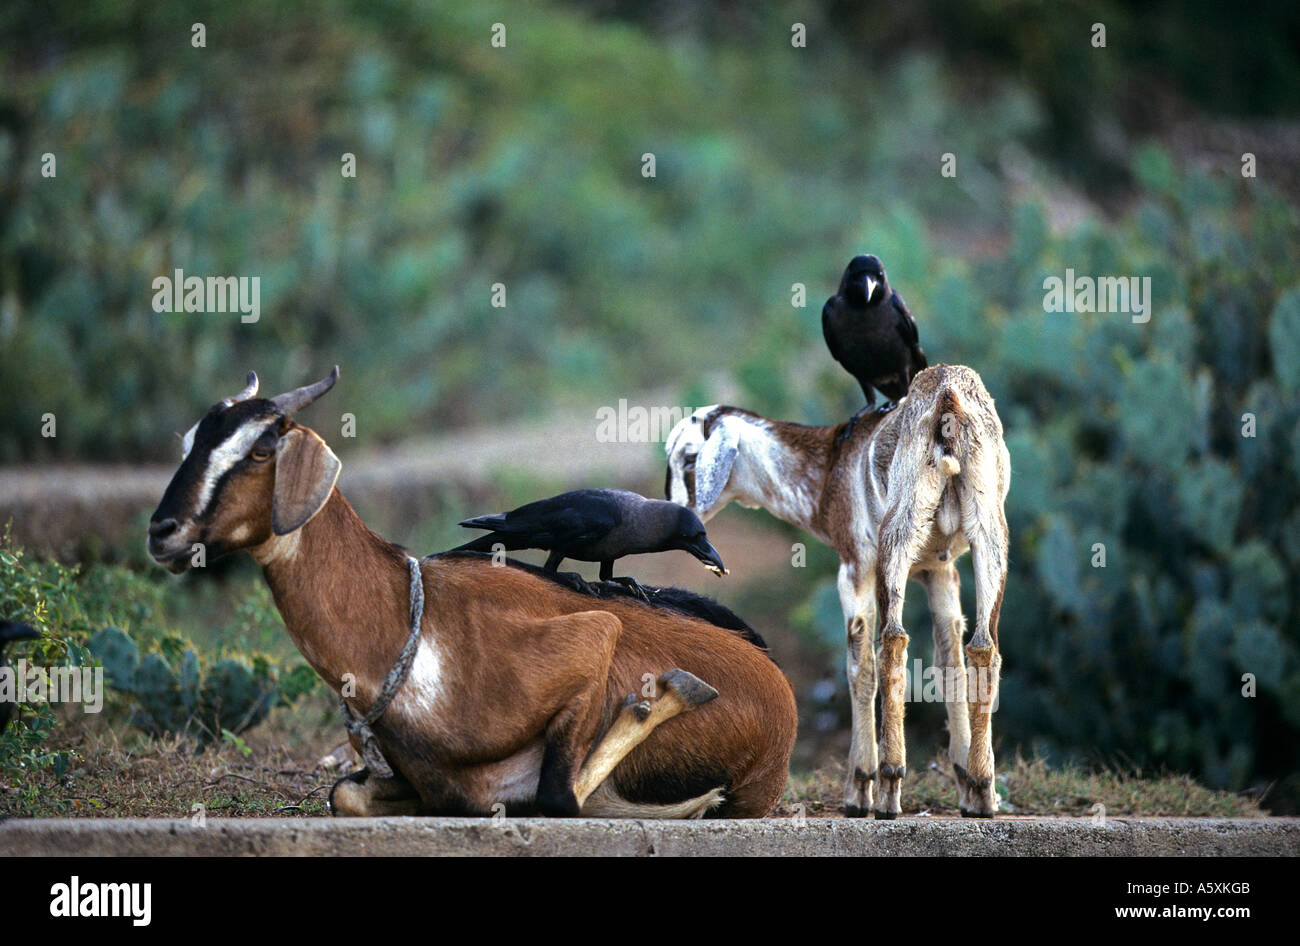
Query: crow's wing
564, 521
827, 333
908, 331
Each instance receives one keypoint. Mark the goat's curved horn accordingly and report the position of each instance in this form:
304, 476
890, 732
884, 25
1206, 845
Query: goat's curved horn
291, 402
250, 388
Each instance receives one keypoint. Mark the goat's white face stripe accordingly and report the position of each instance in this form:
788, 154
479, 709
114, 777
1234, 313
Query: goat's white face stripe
187, 442
225, 455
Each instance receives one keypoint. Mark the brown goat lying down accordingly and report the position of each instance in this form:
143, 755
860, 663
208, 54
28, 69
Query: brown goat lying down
522, 693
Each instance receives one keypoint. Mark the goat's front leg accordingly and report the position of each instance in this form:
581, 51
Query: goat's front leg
943, 588
858, 601
366, 795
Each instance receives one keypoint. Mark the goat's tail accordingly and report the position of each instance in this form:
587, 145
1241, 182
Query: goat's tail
949, 421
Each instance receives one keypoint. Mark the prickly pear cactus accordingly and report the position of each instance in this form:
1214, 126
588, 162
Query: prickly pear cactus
234, 697
119, 655
158, 692
231, 694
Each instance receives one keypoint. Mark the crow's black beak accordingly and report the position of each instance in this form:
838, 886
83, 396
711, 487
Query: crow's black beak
706, 553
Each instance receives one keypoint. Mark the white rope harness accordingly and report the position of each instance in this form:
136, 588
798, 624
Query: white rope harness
360, 726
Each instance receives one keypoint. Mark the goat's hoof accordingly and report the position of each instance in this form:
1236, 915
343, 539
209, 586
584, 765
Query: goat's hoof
855, 811
972, 813
885, 815
692, 690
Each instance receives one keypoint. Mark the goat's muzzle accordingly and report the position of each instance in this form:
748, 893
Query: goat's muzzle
168, 547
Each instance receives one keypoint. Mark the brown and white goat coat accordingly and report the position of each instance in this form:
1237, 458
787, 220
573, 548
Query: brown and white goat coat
518, 692
903, 496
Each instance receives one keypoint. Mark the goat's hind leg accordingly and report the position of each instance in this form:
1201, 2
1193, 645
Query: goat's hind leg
564, 786
682, 692
988, 556
858, 601
573, 727
943, 588
897, 551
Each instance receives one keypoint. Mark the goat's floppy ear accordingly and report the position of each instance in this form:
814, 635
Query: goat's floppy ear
713, 463
306, 470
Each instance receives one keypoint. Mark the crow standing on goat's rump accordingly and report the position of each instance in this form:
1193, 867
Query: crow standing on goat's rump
872, 334
12, 631
596, 525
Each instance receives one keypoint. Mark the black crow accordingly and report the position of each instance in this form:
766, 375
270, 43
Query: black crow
870, 332
596, 525
12, 631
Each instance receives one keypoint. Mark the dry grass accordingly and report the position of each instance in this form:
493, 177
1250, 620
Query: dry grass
1032, 788
116, 772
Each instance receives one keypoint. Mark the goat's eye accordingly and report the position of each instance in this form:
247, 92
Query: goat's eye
260, 455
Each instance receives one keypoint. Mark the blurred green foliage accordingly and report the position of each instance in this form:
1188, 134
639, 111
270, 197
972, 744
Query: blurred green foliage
40, 594
157, 678
475, 166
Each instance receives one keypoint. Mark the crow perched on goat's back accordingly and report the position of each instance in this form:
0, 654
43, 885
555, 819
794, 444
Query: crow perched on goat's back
871, 333
596, 525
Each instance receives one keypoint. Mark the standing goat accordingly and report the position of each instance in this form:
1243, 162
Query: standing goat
902, 496
513, 686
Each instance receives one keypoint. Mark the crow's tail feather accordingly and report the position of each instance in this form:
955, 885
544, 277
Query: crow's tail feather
495, 521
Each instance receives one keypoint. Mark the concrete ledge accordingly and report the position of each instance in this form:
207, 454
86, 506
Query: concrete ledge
598, 837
